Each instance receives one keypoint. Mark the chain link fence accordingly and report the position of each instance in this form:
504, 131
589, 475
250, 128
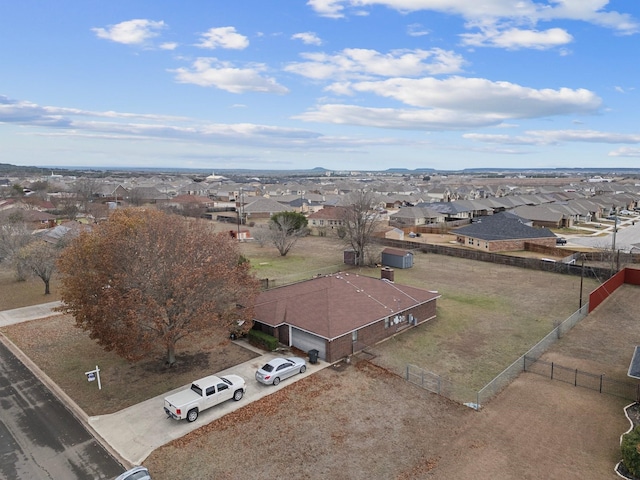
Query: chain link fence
476, 398
578, 378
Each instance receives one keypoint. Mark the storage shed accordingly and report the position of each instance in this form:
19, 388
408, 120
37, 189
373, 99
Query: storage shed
394, 257
350, 257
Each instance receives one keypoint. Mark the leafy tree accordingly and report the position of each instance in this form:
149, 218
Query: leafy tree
360, 221
39, 257
40, 188
17, 190
630, 447
285, 230
146, 279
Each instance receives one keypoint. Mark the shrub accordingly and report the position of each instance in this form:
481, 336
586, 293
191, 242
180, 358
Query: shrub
630, 455
263, 340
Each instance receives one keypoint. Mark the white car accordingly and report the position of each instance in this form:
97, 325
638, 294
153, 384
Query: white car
136, 473
204, 393
280, 368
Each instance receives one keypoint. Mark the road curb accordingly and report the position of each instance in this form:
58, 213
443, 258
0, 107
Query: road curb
65, 399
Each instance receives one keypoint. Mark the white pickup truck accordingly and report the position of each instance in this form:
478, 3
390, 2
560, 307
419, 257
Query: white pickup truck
203, 394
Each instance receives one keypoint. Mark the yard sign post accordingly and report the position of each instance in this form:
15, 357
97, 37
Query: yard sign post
92, 375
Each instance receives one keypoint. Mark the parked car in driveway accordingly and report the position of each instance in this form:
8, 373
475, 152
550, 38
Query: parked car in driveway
136, 473
561, 241
280, 368
204, 393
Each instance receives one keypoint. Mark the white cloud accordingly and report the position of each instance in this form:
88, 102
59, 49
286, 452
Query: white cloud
553, 137
416, 30
478, 95
223, 37
76, 122
210, 72
168, 46
404, 119
625, 152
452, 104
515, 38
327, 8
308, 38
523, 12
131, 32
501, 139
365, 63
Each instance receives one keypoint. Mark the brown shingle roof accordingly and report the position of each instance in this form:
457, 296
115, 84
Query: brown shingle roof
334, 305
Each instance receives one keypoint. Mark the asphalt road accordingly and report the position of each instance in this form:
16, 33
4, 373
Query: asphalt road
627, 236
39, 437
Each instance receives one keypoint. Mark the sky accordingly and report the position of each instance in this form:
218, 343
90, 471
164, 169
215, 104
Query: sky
339, 84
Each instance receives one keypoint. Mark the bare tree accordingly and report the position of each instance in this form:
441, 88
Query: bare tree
262, 236
285, 229
360, 221
85, 190
14, 235
40, 257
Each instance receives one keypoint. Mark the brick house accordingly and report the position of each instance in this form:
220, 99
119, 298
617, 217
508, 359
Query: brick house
327, 218
503, 232
341, 314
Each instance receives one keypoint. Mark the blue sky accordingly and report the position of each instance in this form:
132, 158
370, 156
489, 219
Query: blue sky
340, 84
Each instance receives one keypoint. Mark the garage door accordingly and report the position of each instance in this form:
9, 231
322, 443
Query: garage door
307, 341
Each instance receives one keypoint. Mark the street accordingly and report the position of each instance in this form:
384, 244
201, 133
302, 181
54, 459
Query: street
39, 437
627, 236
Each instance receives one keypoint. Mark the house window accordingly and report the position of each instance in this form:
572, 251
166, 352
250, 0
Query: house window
321, 222
354, 336
386, 322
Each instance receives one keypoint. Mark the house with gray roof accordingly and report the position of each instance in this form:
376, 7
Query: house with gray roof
263, 208
502, 232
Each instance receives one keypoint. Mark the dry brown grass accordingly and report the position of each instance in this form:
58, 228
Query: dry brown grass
15, 294
65, 352
362, 422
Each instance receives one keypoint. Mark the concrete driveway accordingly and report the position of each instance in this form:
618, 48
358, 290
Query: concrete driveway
138, 430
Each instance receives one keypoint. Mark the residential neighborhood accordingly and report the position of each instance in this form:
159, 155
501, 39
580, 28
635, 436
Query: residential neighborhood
375, 319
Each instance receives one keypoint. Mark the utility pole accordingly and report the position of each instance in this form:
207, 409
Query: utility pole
581, 278
613, 246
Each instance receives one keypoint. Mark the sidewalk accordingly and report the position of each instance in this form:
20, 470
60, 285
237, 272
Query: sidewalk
17, 315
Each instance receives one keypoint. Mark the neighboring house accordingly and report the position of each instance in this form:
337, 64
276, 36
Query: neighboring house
64, 232
146, 195
33, 218
503, 232
186, 202
542, 216
341, 314
263, 208
414, 216
302, 205
327, 217
394, 234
